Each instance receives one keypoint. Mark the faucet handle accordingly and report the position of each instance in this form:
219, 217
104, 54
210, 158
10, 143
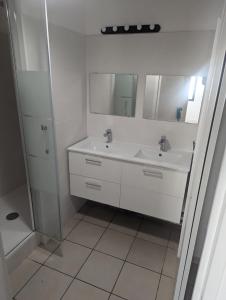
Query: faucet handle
107, 131
108, 134
162, 139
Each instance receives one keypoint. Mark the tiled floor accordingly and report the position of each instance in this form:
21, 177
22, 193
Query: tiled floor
106, 254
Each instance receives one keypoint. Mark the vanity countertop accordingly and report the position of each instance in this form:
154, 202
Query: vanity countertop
177, 160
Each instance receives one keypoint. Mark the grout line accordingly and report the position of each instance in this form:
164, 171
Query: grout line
27, 281
164, 260
88, 283
79, 221
59, 271
120, 297
75, 277
102, 252
92, 250
127, 256
158, 288
76, 243
41, 264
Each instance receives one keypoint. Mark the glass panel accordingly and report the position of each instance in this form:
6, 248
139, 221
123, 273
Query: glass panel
113, 94
173, 98
29, 37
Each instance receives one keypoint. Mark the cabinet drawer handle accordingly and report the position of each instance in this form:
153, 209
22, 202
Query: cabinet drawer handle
93, 162
153, 174
93, 186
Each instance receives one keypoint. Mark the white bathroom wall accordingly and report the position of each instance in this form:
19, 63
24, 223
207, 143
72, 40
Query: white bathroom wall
67, 51
88, 16
174, 53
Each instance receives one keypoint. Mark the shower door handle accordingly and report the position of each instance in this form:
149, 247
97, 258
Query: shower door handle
44, 129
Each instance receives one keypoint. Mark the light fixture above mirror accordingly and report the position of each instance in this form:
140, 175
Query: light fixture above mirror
129, 29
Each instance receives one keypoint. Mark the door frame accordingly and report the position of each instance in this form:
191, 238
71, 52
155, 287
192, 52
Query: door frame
203, 155
211, 277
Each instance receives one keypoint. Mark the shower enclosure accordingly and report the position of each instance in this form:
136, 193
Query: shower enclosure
15, 213
31, 61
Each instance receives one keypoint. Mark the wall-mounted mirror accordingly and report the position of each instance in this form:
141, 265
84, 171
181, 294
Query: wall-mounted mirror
173, 98
113, 94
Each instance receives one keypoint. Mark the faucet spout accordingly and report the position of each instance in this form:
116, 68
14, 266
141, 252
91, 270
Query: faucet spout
164, 144
108, 135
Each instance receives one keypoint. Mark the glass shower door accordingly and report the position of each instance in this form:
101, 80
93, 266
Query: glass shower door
29, 36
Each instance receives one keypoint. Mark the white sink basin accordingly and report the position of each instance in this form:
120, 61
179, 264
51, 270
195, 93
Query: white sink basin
168, 157
95, 145
137, 153
92, 145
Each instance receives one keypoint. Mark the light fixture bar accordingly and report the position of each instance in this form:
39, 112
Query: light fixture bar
130, 29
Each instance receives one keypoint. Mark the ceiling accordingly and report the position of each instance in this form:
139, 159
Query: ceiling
88, 16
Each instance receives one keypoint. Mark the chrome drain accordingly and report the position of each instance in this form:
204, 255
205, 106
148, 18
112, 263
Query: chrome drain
12, 216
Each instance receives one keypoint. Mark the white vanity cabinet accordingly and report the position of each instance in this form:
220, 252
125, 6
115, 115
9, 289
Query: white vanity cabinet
150, 190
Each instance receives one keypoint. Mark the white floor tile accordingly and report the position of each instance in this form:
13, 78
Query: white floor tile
86, 234
166, 288
113, 297
171, 263
83, 291
137, 283
22, 274
147, 254
101, 270
40, 254
115, 243
68, 258
67, 228
46, 284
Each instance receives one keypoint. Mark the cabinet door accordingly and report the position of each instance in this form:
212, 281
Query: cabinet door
151, 203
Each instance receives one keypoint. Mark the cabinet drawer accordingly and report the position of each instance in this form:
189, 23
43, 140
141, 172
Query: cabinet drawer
154, 179
151, 203
94, 166
97, 190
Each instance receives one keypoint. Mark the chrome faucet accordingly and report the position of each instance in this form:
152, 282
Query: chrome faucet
108, 135
164, 144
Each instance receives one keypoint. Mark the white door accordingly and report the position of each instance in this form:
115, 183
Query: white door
206, 140
211, 278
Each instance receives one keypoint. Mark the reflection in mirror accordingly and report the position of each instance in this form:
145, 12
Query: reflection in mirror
173, 98
113, 94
